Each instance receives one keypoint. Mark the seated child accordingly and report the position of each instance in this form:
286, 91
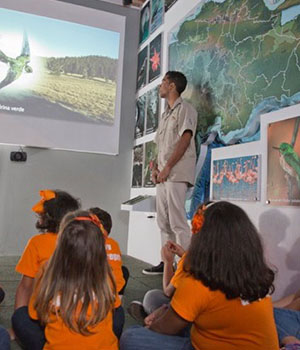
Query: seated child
155, 299
75, 292
52, 207
121, 273
223, 293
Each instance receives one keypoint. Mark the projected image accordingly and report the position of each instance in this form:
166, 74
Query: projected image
56, 69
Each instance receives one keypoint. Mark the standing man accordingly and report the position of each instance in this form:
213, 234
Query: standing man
174, 170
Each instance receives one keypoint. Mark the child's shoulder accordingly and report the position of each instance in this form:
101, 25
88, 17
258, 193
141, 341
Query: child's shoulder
43, 237
111, 244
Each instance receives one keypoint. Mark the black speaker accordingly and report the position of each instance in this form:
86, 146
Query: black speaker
18, 156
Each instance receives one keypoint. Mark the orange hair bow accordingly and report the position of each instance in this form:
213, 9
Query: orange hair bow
198, 218
95, 220
46, 196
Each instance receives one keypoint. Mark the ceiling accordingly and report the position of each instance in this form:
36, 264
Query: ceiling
136, 3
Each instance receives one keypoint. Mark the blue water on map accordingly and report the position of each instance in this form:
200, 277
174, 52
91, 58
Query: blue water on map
273, 4
290, 14
251, 131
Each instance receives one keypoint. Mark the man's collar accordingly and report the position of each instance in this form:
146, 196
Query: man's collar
176, 103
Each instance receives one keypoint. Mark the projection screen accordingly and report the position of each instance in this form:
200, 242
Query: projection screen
60, 76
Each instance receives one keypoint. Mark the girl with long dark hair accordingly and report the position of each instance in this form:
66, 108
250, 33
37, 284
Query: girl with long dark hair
224, 293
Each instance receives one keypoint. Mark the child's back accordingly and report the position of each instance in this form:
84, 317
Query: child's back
60, 337
75, 293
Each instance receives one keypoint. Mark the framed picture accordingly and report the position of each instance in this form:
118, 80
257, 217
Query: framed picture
150, 155
137, 168
236, 178
142, 68
155, 58
153, 110
283, 179
157, 13
140, 116
169, 4
145, 23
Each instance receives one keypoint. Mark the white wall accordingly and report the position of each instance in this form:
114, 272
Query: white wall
97, 179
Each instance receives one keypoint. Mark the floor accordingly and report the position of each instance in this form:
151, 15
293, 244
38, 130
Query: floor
138, 285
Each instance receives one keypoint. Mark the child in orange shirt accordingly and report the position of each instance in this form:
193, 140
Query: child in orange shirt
50, 210
121, 273
224, 293
74, 295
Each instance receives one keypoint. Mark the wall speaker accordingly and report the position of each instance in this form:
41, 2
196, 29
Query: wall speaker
18, 156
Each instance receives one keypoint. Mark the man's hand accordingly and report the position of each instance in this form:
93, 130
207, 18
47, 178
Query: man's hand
175, 248
154, 175
166, 254
163, 175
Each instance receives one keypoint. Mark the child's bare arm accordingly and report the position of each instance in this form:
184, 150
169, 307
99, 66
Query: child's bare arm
24, 291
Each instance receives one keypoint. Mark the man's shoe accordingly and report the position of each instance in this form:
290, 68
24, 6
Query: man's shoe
136, 310
154, 270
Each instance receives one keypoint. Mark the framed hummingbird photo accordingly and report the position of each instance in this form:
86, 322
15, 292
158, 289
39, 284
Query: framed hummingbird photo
283, 179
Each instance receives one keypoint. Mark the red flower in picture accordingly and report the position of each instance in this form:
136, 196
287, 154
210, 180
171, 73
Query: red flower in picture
155, 59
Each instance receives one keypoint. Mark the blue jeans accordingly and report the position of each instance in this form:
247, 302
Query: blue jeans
287, 323
29, 332
141, 338
118, 321
4, 339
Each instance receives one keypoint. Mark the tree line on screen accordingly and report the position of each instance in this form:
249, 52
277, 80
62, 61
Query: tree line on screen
88, 66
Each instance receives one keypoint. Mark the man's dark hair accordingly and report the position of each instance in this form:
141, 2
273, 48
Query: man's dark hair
104, 217
55, 209
227, 254
178, 79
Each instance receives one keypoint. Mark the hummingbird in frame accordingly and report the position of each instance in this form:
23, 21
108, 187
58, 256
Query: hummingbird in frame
289, 161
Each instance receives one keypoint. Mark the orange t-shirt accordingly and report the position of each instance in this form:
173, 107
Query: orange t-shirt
179, 273
115, 261
40, 248
219, 323
60, 337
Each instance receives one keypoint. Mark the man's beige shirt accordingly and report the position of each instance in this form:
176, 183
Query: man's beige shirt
173, 123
